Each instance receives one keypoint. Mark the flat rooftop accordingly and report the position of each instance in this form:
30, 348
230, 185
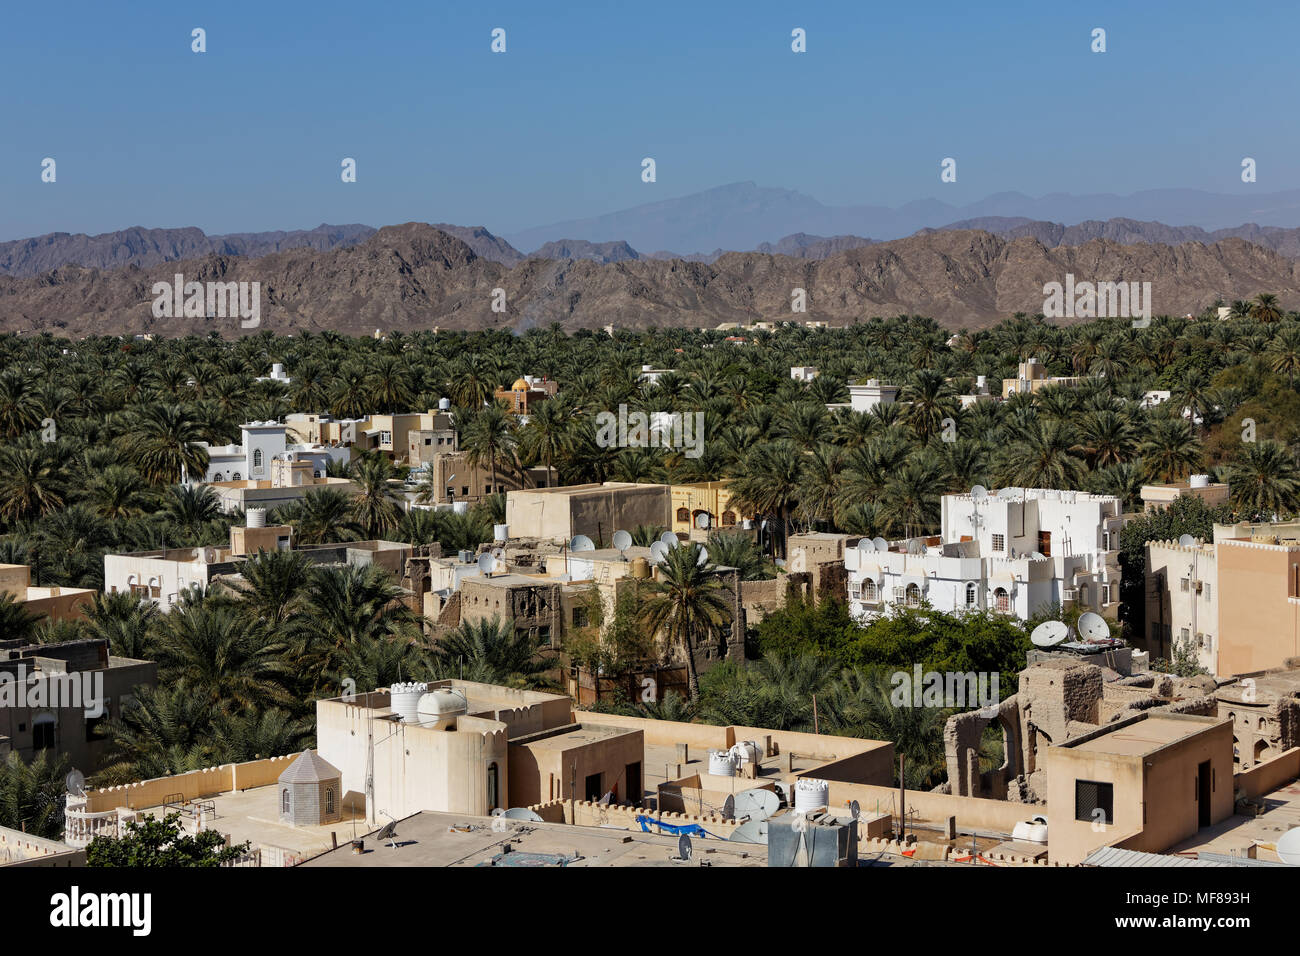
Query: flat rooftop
1142, 737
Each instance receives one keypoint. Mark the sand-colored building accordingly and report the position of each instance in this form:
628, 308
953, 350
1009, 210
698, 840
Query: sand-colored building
1031, 376
704, 506
1259, 604
595, 510
526, 394
56, 603
1182, 601
1213, 493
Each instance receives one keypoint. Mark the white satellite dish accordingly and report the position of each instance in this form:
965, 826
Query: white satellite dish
658, 552
581, 542
522, 813
915, 546
702, 520
669, 539
487, 564
1049, 634
1288, 847
880, 543
756, 804
703, 558
1092, 626
622, 541
1038, 556
866, 544
751, 831
1006, 494
1186, 541
729, 807
76, 783
979, 493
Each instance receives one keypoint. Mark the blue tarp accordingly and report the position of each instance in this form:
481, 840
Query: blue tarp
692, 829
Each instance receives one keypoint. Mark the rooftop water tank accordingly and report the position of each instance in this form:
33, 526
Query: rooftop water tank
460, 507
746, 751
722, 763
444, 404
810, 795
638, 568
256, 518
501, 532
1031, 831
438, 709
1199, 481
405, 700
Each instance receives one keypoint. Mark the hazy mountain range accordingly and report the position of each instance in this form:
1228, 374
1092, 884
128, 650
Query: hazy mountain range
417, 277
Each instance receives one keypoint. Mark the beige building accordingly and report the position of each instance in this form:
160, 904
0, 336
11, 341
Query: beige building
705, 506
1182, 601
1259, 604
55, 603
1147, 783
1198, 486
596, 510
1031, 376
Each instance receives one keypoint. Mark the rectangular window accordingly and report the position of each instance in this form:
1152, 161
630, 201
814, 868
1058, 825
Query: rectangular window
1184, 584
898, 595
580, 617
1094, 802
999, 542
1207, 590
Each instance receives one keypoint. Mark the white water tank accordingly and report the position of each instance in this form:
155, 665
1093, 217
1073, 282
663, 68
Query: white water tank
810, 795
1199, 481
405, 700
722, 763
1031, 831
460, 507
501, 532
746, 751
444, 404
439, 708
256, 518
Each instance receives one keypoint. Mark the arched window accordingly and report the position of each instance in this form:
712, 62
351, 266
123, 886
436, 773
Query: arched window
913, 595
728, 519
683, 515
257, 458
972, 594
329, 799
237, 476
1002, 600
869, 591
284, 800
218, 477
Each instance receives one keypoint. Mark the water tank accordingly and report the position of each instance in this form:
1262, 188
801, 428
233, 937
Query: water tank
1200, 481
439, 708
256, 518
746, 751
810, 795
460, 507
405, 700
501, 532
464, 557
1031, 831
638, 568
722, 763
444, 404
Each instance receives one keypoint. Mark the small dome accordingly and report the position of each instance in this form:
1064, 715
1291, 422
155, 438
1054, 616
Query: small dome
519, 386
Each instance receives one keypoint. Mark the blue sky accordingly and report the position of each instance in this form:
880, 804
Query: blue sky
249, 135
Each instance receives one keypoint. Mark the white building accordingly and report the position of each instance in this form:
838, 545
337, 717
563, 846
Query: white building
277, 375
1015, 552
803, 373
1182, 610
263, 443
865, 397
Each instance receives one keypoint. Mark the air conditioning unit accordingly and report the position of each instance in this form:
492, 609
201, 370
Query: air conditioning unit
1199, 586
1070, 594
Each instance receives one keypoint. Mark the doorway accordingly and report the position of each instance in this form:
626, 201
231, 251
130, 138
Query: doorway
1204, 787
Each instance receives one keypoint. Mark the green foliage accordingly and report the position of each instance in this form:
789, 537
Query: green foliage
160, 843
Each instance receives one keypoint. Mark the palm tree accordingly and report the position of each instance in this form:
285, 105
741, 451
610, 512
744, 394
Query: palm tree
490, 438
736, 549
546, 436
191, 506
687, 604
273, 584
163, 442
32, 794
1264, 308
126, 622
1171, 449
16, 622
1265, 480
492, 651
321, 515
29, 484
117, 492
768, 483
374, 506
1040, 458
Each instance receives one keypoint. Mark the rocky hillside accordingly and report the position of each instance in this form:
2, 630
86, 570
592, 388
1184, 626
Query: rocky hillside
416, 277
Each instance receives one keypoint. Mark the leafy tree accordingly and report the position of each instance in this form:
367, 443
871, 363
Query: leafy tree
160, 843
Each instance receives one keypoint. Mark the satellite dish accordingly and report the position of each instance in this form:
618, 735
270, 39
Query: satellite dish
1038, 556
1092, 626
622, 541
658, 552
522, 813
1186, 541
880, 543
979, 493
1288, 847
487, 564
581, 542
756, 804
855, 810
684, 847
1049, 634
701, 520
866, 544
729, 807
76, 783
669, 539
915, 546
751, 831
1006, 494
703, 558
